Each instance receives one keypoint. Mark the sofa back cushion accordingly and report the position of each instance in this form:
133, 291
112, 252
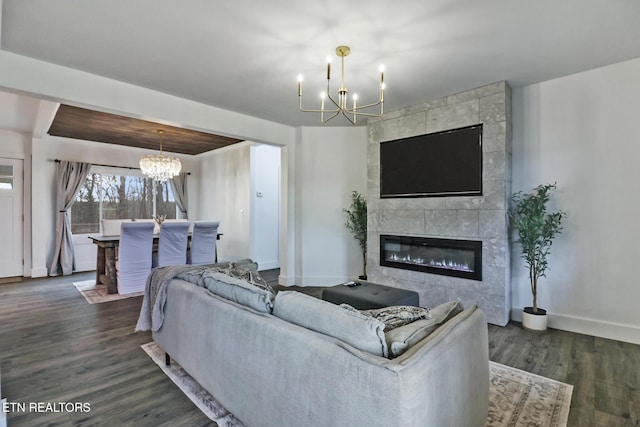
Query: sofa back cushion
362, 332
402, 338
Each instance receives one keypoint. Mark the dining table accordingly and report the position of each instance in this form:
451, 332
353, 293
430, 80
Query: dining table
106, 273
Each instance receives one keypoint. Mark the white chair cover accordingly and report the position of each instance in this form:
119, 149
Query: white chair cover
156, 227
134, 256
172, 245
203, 242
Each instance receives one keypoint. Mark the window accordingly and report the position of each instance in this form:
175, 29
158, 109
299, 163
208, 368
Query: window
110, 194
6, 177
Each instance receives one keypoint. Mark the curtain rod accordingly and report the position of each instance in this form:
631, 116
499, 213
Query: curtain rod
113, 166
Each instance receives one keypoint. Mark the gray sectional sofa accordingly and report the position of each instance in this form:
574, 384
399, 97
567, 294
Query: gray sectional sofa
296, 361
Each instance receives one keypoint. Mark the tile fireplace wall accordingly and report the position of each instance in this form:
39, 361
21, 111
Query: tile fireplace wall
468, 217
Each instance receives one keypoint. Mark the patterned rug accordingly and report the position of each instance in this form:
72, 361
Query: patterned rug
516, 398
519, 398
200, 397
95, 294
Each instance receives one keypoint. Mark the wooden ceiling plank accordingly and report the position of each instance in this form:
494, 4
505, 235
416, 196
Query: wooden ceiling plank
84, 124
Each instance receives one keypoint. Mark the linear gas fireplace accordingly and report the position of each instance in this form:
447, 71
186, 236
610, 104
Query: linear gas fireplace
448, 257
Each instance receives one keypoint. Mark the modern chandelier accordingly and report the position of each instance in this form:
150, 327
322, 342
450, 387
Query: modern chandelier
339, 105
159, 167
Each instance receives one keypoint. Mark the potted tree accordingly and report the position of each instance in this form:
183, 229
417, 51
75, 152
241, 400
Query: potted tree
357, 224
536, 231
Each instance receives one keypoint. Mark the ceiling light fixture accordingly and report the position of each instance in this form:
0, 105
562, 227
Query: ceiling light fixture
351, 113
159, 167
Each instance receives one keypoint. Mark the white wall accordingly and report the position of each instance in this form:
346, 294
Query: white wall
582, 132
331, 164
12, 144
265, 205
225, 196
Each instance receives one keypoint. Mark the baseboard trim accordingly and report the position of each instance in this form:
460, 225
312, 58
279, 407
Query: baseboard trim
581, 325
39, 272
285, 281
268, 265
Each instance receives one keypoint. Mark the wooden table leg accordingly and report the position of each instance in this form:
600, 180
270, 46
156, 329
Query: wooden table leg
110, 276
100, 264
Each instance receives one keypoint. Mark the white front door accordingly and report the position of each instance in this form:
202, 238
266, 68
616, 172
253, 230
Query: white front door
11, 226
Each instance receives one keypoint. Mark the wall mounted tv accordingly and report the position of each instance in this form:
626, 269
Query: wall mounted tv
447, 163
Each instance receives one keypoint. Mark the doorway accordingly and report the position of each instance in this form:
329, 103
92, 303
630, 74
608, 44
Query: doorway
11, 224
265, 205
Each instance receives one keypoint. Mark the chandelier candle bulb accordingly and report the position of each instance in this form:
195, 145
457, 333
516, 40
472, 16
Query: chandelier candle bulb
340, 104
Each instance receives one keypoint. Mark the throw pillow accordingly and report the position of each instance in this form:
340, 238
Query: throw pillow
393, 316
247, 264
245, 287
354, 328
400, 339
248, 274
398, 315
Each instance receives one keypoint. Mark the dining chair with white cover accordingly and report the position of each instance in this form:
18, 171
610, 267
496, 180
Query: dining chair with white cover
172, 244
133, 264
203, 242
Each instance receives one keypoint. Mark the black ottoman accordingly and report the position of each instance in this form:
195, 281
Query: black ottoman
369, 295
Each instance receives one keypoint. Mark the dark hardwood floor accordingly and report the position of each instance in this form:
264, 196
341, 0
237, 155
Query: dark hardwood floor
54, 347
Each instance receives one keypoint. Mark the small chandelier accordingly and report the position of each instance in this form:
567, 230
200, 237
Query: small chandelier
340, 105
159, 167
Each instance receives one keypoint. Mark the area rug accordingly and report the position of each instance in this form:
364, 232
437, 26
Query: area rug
516, 398
95, 294
200, 397
519, 398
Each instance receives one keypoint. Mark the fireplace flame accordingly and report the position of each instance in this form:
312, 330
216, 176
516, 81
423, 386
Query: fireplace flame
443, 263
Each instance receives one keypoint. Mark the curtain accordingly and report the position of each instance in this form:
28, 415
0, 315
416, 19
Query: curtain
179, 187
71, 177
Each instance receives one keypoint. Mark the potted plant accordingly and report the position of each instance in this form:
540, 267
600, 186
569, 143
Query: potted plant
357, 224
536, 231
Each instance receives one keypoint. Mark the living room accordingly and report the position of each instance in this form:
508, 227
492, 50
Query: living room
576, 129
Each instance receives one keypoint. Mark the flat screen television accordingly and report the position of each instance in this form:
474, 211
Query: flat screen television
447, 163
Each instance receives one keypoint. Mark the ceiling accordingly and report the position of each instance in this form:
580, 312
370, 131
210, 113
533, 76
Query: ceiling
244, 56
89, 125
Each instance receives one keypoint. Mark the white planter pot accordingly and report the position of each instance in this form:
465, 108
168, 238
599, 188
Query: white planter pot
534, 322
